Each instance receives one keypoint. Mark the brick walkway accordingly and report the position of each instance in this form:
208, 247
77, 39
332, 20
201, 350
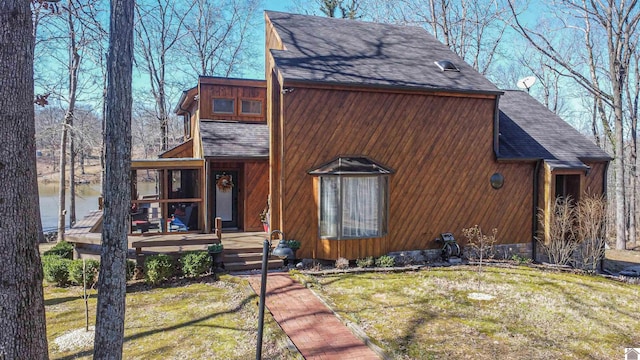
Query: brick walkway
312, 327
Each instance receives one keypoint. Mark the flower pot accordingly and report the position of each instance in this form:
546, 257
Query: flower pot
216, 260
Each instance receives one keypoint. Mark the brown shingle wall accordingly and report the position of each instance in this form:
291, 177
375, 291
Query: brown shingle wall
441, 149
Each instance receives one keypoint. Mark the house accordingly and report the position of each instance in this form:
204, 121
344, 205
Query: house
371, 138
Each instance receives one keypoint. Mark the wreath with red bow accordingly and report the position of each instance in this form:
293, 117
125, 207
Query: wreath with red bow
224, 183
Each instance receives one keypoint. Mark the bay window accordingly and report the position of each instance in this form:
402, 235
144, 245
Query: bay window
353, 199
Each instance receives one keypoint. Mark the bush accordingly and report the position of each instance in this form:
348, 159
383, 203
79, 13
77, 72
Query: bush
215, 248
131, 269
158, 268
293, 244
91, 272
521, 260
56, 269
385, 261
366, 262
342, 263
62, 249
195, 263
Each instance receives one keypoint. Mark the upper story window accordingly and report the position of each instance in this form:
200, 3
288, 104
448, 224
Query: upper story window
354, 198
251, 107
187, 126
223, 106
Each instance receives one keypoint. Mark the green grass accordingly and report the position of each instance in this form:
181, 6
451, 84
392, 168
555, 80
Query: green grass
183, 320
534, 314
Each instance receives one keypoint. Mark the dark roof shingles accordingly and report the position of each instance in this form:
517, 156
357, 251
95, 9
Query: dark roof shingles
234, 140
319, 49
528, 130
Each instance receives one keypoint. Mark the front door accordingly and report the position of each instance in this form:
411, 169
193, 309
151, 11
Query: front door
226, 198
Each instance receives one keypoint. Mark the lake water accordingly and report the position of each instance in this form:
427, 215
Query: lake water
86, 201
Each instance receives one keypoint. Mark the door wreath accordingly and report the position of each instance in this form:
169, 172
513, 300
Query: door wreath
224, 183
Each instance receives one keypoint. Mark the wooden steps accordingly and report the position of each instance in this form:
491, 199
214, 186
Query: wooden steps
247, 259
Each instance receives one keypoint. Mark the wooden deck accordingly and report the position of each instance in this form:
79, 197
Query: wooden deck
242, 250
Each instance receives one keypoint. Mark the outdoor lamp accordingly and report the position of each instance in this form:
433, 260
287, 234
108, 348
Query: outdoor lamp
282, 251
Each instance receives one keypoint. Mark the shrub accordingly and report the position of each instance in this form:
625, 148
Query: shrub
366, 262
131, 269
561, 237
91, 271
293, 244
158, 268
195, 263
521, 260
385, 261
62, 249
342, 263
215, 248
591, 219
56, 269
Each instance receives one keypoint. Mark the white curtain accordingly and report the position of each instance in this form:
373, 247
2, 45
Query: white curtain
360, 207
329, 204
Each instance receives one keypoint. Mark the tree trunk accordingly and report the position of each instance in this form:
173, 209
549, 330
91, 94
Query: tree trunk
22, 316
72, 178
117, 197
62, 211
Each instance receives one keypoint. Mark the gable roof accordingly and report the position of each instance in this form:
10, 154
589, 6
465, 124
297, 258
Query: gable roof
234, 140
350, 52
528, 130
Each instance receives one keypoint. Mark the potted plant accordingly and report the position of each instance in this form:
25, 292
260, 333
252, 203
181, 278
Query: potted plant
215, 251
264, 219
294, 245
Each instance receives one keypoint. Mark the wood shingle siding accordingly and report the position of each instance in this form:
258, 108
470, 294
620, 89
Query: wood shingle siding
441, 180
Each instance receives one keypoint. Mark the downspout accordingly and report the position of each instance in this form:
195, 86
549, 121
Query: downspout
496, 128
534, 213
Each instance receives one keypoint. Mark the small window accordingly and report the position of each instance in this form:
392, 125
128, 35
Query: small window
223, 106
354, 197
251, 107
568, 186
187, 126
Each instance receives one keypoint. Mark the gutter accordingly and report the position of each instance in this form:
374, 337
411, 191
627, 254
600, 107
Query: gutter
388, 87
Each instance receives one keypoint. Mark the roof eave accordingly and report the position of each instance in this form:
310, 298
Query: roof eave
315, 83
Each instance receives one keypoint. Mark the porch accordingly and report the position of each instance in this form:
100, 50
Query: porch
242, 250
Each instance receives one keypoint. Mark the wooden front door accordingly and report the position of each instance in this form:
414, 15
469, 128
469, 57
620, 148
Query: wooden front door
226, 198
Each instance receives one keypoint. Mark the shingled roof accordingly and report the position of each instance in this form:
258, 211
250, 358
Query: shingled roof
528, 130
233, 140
350, 52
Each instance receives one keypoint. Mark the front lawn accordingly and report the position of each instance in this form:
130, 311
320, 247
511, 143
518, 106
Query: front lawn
182, 320
534, 314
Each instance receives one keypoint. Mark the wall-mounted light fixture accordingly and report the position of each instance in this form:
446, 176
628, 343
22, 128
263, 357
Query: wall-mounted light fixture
497, 180
287, 90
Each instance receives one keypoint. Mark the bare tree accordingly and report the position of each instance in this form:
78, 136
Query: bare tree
472, 29
117, 198
160, 27
346, 9
632, 96
22, 318
218, 41
616, 23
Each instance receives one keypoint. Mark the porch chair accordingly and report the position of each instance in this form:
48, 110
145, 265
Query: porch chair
181, 222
